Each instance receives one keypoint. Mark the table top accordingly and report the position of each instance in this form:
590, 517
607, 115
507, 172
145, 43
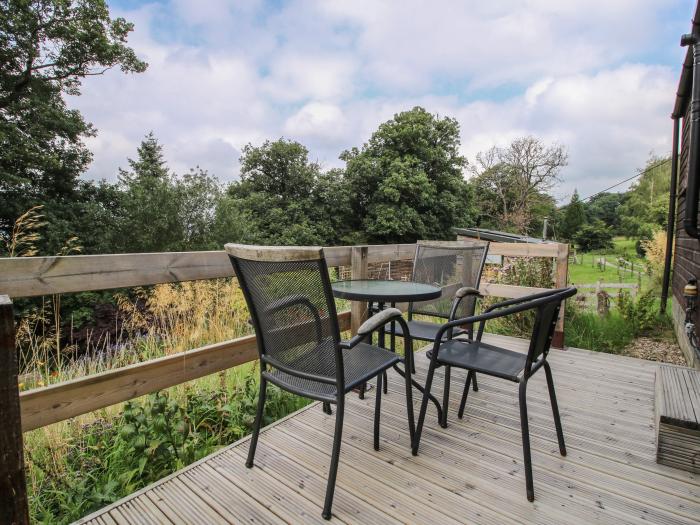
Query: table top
384, 291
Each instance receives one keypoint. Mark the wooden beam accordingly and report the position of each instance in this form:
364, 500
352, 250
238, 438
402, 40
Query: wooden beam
43, 406
508, 291
521, 249
13, 486
33, 276
562, 275
358, 270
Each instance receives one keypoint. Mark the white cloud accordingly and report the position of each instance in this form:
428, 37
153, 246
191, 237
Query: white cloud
328, 73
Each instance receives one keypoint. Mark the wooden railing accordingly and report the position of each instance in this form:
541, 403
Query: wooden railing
36, 276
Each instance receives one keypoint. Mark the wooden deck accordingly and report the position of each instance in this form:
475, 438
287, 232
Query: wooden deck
470, 472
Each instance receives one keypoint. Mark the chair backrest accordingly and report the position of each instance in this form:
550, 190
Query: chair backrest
449, 265
546, 315
291, 303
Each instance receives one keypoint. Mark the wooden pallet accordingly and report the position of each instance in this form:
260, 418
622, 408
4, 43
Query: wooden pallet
677, 408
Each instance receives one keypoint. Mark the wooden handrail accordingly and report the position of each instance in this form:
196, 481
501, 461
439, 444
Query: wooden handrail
34, 276
53, 403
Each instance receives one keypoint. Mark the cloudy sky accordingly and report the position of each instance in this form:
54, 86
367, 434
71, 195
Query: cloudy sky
598, 76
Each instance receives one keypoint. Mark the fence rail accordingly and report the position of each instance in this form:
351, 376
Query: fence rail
35, 276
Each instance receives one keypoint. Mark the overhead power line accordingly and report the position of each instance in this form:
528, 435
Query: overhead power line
650, 168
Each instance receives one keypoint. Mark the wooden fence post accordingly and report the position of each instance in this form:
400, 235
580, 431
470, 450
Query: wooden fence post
14, 508
358, 270
560, 282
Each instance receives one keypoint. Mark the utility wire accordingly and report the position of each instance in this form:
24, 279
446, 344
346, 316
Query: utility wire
650, 168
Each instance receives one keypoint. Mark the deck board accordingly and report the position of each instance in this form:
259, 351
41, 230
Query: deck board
471, 472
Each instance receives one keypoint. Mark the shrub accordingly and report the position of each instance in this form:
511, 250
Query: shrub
594, 236
586, 329
536, 272
110, 458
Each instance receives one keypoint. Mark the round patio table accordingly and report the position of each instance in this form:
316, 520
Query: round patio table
382, 292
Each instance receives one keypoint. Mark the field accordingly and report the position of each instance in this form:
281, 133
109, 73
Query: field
587, 268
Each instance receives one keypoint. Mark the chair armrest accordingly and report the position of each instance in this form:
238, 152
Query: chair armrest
377, 320
467, 290
374, 322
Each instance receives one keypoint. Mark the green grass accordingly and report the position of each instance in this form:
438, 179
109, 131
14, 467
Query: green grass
586, 271
586, 329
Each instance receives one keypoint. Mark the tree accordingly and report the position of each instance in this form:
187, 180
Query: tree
510, 180
574, 217
406, 182
606, 207
151, 205
198, 196
594, 236
46, 48
646, 207
276, 195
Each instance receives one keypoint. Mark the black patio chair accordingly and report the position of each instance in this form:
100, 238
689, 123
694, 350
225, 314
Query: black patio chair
288, 292
477, 356
456, 267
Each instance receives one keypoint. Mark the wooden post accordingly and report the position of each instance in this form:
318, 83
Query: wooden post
358, 269
560, 282
14, 508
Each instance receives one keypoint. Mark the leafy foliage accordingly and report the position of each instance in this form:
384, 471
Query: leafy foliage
148, 440
574, 217
46, 48
594, 236
511, 183
284, 198
646, 207
406, 182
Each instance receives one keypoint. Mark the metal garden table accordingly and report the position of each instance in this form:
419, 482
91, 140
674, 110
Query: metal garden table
380, 293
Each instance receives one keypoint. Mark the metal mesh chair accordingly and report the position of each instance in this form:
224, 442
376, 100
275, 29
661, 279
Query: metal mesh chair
289, 296
476, 356
456, 267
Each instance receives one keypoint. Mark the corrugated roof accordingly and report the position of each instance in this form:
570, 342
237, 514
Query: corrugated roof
496, 236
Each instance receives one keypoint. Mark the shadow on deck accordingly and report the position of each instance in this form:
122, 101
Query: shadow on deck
471, 472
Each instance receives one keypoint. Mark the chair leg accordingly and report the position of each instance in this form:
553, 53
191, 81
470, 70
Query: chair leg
377, 409
335, 457
475, 387
386, 382
525, 429
446, 396
423, 409
409, 398
555, 408
327, 408
471, 379
258, 422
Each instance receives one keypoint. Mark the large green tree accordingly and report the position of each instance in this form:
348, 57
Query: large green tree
282, 195
46, 48
151, 203
606, 207
646, 206
574, 217
406, 182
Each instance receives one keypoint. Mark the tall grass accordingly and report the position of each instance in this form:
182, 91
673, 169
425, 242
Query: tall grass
79, 465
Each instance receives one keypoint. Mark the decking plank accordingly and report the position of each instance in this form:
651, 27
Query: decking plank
470, 472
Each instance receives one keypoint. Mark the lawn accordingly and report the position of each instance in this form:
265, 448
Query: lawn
586, 270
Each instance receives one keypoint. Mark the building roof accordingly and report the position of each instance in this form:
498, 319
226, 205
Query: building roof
686, 81
496, 236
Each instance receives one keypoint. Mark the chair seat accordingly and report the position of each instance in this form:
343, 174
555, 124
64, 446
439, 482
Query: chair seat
361, 363
482, 357
422, 330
